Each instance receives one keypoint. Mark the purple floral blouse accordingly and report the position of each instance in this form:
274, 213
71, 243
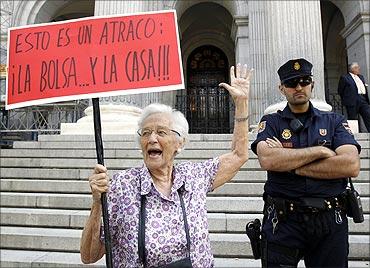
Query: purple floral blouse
165, 239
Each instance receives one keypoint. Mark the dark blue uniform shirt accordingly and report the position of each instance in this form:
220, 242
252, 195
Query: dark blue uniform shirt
321, 128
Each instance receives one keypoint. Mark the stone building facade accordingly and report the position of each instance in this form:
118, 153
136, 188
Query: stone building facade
217, 34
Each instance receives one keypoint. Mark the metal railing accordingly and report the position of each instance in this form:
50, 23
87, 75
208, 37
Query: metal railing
335, 101
29, 122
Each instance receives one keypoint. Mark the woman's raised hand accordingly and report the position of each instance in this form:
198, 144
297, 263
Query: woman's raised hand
239, 82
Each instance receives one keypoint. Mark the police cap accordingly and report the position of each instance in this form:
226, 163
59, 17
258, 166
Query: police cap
295, 68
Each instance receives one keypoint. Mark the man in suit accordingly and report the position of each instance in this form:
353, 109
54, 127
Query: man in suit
353, 92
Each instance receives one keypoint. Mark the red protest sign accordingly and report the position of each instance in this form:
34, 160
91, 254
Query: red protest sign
93, 57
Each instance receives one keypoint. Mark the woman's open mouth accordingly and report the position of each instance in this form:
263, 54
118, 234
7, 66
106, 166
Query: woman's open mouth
154, 153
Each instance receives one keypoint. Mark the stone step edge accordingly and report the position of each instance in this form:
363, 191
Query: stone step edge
83, 173
75, 219
250, 188
45, 200
73, 233
85, 212
70, 155
21, 235
114, 163
217, 241
129, 144
191, 136
79, 212
39, 258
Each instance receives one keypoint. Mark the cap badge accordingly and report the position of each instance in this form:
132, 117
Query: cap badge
297, 66
286, 134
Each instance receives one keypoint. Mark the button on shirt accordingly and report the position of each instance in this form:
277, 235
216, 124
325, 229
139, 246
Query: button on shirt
165, 239
321, 128
360, 85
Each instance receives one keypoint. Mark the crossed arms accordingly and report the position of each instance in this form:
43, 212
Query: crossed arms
317, 162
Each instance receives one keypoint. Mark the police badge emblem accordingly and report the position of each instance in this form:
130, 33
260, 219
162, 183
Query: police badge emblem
323, 131
297, 66
261, 126
286, 134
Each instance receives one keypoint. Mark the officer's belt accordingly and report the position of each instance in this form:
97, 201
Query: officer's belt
305, 204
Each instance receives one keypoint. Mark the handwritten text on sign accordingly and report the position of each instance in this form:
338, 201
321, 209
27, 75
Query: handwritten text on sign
93, 57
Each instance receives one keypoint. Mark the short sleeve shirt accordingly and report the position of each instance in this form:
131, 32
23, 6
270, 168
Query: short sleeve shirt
165, 239
322, 128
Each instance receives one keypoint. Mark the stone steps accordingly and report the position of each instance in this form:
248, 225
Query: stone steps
49, 239
83, 174
215, 145
132, 153
191, 137
109, 153
130, 138
75, 219
83, 201
131, 145
112, 163
45, 199
82, 186
44, 259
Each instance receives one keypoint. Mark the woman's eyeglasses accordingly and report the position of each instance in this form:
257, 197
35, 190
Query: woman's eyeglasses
302, 81
161, 132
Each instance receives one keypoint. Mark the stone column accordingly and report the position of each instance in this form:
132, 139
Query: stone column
279, 31
239, 33
294, 30
357, 36
258, 60
7, 9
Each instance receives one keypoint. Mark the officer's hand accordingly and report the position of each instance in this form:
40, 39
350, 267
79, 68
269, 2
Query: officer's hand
274, 143
327, 152
239, 82
99, 182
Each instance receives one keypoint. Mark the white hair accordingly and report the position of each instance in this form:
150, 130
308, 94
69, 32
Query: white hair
351, 65
178, 120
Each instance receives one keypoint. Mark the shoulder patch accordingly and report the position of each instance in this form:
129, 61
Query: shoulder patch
346, 126
261, 126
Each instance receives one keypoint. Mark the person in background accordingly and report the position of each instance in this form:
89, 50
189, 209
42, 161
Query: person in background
354, 94
157, 212
308, 154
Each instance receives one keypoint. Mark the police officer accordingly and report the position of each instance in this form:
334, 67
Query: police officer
308, 154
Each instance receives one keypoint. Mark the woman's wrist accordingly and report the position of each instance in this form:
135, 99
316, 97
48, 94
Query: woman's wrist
241, 119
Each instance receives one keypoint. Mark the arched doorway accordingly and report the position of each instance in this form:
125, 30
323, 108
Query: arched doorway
74, 10
207, 50
206, 104
335, 52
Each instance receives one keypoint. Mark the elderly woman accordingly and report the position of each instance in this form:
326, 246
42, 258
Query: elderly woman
157, 212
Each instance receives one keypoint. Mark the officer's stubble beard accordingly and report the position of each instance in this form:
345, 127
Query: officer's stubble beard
297, 105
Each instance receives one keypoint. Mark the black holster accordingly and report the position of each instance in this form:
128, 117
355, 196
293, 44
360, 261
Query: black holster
354, 206
253, 230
